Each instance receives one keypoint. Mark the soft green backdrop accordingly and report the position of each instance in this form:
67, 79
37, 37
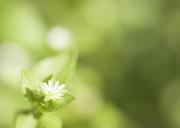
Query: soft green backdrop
128, 73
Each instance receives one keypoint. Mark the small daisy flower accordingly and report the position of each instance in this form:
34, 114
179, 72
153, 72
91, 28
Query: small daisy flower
52, 90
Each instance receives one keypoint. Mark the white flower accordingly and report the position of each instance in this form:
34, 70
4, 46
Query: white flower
53, 90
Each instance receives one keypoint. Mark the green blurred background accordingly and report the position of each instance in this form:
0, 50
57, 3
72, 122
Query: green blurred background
128, 72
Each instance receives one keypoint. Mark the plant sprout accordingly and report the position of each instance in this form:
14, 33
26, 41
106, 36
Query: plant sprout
46, 96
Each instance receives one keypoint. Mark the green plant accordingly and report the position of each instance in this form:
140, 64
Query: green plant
46, 86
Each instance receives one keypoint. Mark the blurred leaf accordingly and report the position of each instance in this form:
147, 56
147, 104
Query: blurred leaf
49, 121
66, 99
69, 68
25, 121
26, 80
60, 66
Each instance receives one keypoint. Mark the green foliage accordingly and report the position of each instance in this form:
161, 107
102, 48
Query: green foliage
25, 120
45, 121
35, 96
129, 58
36, 92
53, 105
41, 87
49, 121
62, 66
26, 80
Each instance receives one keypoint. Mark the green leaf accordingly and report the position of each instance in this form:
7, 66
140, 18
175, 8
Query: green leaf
66, 99
69, 68
49, 121
48, 78
26, 80
33, 95
57, 104
53, 105
25, 121
61, 66
29, 94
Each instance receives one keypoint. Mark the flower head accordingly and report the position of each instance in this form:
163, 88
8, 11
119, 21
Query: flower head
52, 90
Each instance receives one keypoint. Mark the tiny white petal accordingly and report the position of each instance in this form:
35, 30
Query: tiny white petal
53, 90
